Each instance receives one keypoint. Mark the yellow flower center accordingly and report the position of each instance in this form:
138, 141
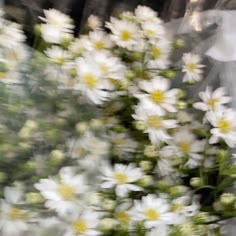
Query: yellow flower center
80, 226
151, 214
154, 122
91, 81
212, 102
156, 52
66, 192
122, 216
99, 45
157, 96
224, 125
150, 32
191, 67
121, 177
17, 214
125, 35
185, 147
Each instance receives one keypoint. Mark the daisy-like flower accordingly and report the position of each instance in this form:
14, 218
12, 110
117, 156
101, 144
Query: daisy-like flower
90, 80
85, 223
192, 68
80, 46
145, 14
90, 151
153, 210
155, 124
123, 178
61, 195
158, 95
211, 100
94, 22
158, 54
124, 33
153, 30
57, 27
224, 127
57, 55
184, 143
100, 40
13, 220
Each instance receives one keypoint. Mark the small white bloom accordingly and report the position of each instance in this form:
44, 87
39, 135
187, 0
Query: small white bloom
99, 40
61, 195
158, 54
212, 100
123, 178
124, 32
145, 14
153, 210
57, 55
85, 223
90, 80
57, 27
153, 30
94, 22
156, 125
158, 95
192, 68
224, 127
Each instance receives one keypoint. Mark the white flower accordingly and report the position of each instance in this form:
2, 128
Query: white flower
145, 14
80, 45
85, 223
184, 143
192, 68
94, 22
123, 178
212, 99
124, 32
61, 195
57, 55
153, 210
153, 30
158, 95
158, 54
224, 127
57, 27
90, 151
99, 40
13, 219
155, 124
90, 80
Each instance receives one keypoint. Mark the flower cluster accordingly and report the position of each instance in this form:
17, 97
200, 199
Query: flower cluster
95, 139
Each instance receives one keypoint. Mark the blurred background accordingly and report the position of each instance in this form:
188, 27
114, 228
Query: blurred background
26, 12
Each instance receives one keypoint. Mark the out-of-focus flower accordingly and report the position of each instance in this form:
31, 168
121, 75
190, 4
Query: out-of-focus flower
192, 69
94, 22
123, 178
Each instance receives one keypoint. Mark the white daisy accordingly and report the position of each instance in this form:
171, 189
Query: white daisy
211, 100
184, 143
145, 14
155, 124
99, 40
13, 219
80, 46
90, 80
61, 195
153, 30
57, 27
153, 211
224, 127
192, 68
158, 54
90, 151
158, 95
124, 32
123, 178
94, 22
57, 55
84, 223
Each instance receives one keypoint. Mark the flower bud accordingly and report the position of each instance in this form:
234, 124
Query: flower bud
81, 127
227, 199
195, 182
34, 198
107, 224
146, 165
150, 151
57, 156
139, 125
